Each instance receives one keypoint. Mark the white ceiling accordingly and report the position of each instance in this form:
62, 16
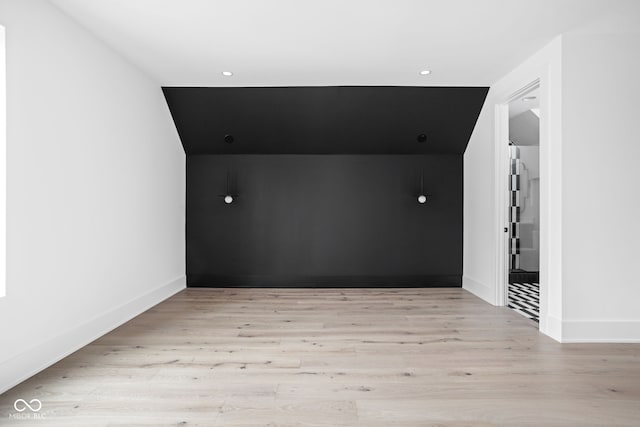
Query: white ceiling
520, 105
329, 42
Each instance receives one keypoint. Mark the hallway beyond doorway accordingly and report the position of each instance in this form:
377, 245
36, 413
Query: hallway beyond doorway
524, 298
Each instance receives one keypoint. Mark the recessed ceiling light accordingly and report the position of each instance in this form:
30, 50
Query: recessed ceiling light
227, 73
529, 98
425, 72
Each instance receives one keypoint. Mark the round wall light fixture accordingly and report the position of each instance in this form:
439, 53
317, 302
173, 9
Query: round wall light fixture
229, 195
422, 198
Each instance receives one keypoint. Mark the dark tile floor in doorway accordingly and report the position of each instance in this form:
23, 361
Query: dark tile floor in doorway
525, 299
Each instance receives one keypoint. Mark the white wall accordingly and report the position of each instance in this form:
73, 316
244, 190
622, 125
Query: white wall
484, 166
3, 167
601, 222
95, 191
524, 128
589, 183
479, 231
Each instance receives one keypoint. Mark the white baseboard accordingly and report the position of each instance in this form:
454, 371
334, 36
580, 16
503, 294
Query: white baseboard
479, 289
30, 362
605, 331
552, 327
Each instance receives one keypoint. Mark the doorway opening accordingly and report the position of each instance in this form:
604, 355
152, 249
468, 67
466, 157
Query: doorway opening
523, 289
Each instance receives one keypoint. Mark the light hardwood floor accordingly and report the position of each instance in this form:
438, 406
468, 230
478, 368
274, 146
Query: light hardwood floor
334, 357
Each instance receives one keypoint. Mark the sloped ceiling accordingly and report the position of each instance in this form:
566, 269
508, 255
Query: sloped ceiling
325, 120
524, 129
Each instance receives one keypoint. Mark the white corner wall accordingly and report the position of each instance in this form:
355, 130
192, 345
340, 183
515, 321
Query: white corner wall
601, 152
3, 167
95, 191
589, 182
482, 226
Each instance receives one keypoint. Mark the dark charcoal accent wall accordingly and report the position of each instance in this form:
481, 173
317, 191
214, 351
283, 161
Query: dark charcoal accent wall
327, 180
324, 220
325, 120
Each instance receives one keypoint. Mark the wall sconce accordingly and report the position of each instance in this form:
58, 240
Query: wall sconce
422, 197
228, 196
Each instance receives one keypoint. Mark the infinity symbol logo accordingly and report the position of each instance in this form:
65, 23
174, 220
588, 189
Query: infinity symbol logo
21, 405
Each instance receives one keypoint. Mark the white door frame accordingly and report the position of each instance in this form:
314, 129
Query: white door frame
549, 78
502, 187
544, 68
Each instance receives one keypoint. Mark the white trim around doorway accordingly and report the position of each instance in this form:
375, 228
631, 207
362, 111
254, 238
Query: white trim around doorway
547, 76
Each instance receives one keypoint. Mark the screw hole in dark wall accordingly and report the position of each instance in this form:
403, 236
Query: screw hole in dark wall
422, 137
228, 139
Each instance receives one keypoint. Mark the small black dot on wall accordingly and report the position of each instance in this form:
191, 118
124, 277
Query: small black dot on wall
422, 137
228, 139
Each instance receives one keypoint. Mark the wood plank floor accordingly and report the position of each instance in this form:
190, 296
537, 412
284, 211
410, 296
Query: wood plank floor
334, 357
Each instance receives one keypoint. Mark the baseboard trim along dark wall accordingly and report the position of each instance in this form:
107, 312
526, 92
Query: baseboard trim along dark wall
256, 281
